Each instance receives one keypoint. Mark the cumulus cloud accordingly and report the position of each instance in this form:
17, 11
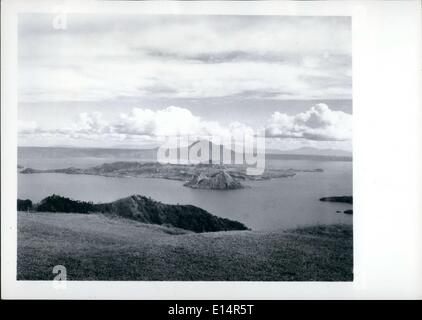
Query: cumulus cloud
318, 127
318, 123
170, 121
90, 123
141, 123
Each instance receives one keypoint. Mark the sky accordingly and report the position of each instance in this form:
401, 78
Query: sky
131, 80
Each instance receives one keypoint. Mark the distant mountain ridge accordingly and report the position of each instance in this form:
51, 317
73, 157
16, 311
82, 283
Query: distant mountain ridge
151, 154
313, 152
70, 152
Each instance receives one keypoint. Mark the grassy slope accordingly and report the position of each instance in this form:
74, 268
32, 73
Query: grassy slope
96, 247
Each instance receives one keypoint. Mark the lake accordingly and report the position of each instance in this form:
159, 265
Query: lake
264, 205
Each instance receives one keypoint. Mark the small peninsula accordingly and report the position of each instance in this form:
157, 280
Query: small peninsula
342, 199
139, 208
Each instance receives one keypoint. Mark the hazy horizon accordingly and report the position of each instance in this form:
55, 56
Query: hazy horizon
302, 151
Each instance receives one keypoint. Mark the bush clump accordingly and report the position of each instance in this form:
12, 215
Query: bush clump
57, 203
24, 205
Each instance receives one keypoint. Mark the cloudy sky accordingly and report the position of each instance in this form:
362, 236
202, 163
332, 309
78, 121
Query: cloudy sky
128, 81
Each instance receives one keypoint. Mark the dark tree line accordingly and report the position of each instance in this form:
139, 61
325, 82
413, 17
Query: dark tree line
24, 205
57, 203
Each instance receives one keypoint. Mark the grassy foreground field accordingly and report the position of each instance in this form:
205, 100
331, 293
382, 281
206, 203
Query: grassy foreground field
98, 247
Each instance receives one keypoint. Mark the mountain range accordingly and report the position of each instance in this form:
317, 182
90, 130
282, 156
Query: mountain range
151, 154
312, 152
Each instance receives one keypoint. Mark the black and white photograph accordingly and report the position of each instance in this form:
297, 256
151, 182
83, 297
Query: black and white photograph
256, 148
185, 147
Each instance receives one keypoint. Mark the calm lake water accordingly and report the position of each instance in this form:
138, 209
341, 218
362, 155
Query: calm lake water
265, 205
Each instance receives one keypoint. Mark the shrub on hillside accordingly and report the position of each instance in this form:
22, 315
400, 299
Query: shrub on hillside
24, 205
57, 203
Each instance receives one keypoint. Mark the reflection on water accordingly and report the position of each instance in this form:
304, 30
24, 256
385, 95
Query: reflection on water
265, 205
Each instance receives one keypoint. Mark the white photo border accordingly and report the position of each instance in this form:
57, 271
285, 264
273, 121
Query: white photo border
387, 154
